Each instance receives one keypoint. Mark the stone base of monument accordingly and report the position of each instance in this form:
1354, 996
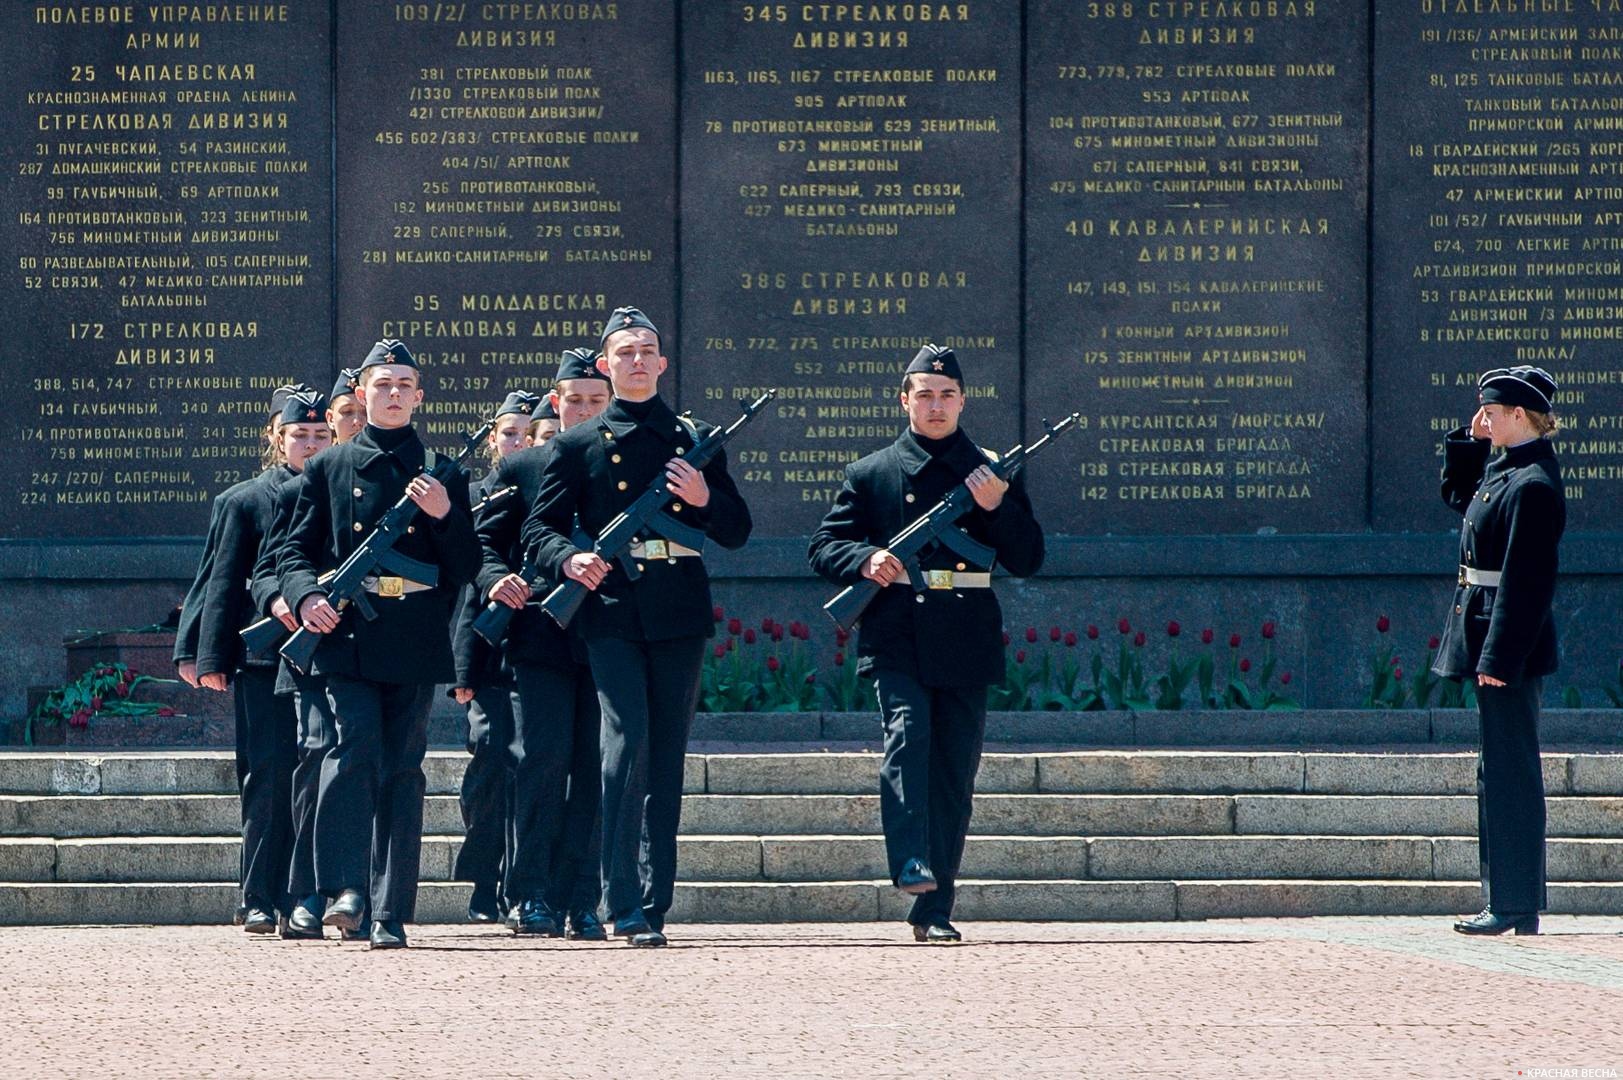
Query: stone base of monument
793, 834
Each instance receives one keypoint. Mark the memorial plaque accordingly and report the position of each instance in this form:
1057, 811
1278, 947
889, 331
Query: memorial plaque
507, 177
168, 236
1499, 236
1195, 260
850, 191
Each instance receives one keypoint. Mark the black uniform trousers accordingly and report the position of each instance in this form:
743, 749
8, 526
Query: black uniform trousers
486, 788
317, 735
933, 739
369, 809
1510, 798
648, 691
557, 788
265, 757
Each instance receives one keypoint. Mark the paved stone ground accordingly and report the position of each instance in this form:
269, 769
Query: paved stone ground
1240, 998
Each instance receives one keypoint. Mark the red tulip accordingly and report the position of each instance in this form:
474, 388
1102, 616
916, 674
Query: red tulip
839, 659
1434, 642
749, 636
1054, 633
720, 650
1006, 639
1139, 639
1173, 629
777, 631
716, 614
1124, 626
1070, 639
1019, 656
1285, 679
1398, 674
1383, 624
1234, 641
1031, 635
165, 710
772, 663
805, 631
122, 690
1396, 662
95, 703
735, 626
811, 677
1268, 630
130, 674
1245, 664
842, 636
1206, 636
766, 624
1093, 632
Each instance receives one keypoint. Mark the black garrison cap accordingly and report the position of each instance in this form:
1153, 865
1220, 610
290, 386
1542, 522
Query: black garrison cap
626, 318
936, 360
1529, 387
578, 364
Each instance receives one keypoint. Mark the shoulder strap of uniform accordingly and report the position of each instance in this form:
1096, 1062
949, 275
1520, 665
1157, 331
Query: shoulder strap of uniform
686, 420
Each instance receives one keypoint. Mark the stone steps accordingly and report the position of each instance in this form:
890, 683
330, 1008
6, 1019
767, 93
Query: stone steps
790, 859
795, 835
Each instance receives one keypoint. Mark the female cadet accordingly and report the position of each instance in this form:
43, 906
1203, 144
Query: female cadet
264, 728
1500, 632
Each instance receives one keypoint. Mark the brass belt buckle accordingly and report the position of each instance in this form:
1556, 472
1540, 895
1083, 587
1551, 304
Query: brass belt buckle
938, 579
656, 549
392, 586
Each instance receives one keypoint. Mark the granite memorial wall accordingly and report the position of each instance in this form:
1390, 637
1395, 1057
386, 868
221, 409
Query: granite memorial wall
1262, 246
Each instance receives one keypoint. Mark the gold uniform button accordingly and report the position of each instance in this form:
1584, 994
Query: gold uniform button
411, 528
909, 496
621, 485
680, 451
961, 566
357, 493
615, 458
671, 561
919, 598
676, 507
357, 526
641, 568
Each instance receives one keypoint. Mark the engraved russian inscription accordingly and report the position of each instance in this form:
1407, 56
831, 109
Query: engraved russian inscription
1195, 262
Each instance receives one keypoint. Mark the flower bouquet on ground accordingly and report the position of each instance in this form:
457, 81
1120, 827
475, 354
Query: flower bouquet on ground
102, 691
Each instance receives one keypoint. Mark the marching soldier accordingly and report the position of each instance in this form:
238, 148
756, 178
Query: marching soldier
1500, 632
265, 728
380, 675
645, 638
345, 410
931, 654
552, 867
484, 688
544, 425
187, 639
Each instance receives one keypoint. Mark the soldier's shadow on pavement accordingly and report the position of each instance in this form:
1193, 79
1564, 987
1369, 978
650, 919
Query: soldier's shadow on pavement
482, 943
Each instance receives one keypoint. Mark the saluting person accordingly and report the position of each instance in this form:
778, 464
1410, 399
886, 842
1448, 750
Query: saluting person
931, 654
552, 864
1502, 475
483, 687
646, 638
380, 674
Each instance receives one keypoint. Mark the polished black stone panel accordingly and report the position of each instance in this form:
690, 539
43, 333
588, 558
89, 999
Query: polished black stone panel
1498, 237
850, 191
1195, 275
167, 233
506, 177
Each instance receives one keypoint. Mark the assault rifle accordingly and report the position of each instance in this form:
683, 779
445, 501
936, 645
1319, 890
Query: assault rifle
647, 515
262, 635
937, 525
376, 553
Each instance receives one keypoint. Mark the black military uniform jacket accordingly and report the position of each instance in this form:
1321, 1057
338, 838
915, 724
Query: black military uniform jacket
942, 637
344, 492
264, 586
477, 664
191, 607
245, 517
1515, 511
597, 469
532, 637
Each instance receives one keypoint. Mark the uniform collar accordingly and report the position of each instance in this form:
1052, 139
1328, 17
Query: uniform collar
1514, 457
962, 457
660, 421
375, 444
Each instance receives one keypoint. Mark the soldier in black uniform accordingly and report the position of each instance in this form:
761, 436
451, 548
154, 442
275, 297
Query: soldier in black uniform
264, 719
380, 675
188, 635
484, 689
931, 654
1500, 632
645, 638
552, 868
346, 412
